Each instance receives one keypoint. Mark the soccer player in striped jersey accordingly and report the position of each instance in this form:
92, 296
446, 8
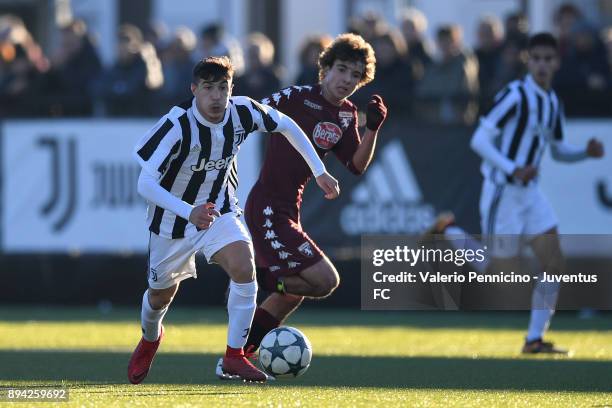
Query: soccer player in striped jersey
526, 118
188, 177
289, 263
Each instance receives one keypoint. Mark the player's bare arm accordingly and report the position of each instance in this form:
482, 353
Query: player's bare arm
375, 116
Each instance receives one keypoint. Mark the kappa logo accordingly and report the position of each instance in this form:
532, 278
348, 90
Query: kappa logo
326, 135
276, 97
389, 199
270, 234
283, 254
276, 244
153, 274
306, 250
287, 92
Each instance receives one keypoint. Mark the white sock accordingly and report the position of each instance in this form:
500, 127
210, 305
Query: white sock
543, 302
459, 239
151, 319
241, 304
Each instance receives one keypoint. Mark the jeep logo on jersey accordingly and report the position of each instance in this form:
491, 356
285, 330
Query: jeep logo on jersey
326, 135
213, 164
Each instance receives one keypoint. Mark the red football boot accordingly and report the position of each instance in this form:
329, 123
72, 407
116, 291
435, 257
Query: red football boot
142, 358
240, 366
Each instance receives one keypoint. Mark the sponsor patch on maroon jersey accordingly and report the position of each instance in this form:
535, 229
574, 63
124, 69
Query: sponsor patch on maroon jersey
326, 135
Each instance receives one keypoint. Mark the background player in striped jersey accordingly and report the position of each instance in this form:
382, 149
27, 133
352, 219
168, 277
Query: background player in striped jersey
188, 160
289, 263
511, 138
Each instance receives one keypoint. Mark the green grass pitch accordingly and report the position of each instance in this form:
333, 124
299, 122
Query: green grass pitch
361, 359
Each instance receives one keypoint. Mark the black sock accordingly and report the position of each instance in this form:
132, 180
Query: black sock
263, 322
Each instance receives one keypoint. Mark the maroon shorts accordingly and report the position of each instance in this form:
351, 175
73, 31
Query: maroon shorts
280, 243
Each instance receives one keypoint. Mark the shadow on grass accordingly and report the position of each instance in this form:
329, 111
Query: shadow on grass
98, 369
500, 320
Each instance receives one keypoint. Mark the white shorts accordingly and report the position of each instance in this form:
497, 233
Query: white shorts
173, 260
511, 213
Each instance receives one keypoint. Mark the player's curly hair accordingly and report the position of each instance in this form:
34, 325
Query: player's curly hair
349, 47
213, 69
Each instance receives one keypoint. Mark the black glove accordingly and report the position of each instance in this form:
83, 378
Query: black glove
376, 113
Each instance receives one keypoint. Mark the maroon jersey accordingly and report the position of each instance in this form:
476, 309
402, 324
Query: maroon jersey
281, 246
330, 128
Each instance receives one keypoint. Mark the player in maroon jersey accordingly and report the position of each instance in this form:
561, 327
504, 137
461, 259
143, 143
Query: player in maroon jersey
289, 263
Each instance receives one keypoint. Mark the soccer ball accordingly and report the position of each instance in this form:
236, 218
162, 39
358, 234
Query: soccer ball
285, 352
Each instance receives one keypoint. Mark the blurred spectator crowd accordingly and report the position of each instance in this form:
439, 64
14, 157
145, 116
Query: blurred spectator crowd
437, 79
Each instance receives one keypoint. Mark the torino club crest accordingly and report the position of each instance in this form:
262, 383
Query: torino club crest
326, 135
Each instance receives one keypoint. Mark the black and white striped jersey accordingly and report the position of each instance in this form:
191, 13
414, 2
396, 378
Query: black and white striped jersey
195, 160
525, 120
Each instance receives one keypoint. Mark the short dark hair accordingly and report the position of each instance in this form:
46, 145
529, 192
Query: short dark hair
213, 31
543, 40
213, 69
567, 9
450, 31
353, 48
